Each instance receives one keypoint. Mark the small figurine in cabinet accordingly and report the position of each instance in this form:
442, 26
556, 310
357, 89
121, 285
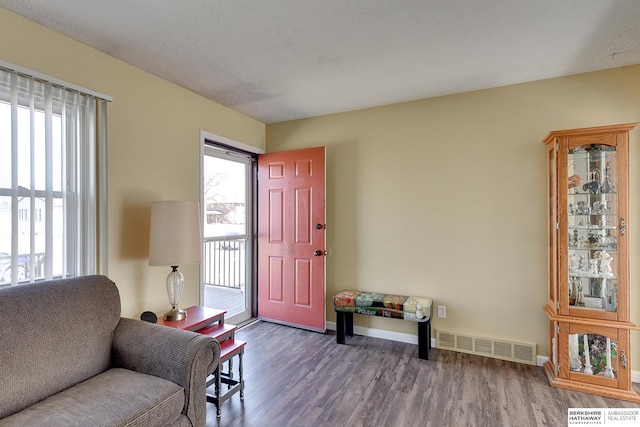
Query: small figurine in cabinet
605, 263
583, 264
574, 262
580, 296
573, 239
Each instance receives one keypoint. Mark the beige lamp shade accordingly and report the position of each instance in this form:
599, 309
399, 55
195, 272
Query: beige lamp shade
175, 237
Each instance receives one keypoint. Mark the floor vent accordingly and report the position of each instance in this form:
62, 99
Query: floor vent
499, 349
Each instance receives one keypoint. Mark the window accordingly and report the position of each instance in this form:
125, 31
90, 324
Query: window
52, 179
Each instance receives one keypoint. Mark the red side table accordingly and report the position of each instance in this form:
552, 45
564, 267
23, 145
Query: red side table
210, 321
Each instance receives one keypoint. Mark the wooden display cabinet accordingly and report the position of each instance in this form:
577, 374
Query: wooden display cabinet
588, 295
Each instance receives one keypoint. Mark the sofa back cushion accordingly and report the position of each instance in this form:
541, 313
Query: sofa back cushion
53, 335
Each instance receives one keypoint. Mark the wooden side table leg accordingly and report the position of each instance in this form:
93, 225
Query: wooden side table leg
241, 375
218, 390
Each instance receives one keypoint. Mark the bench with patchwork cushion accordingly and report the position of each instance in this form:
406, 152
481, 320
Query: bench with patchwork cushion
416, 309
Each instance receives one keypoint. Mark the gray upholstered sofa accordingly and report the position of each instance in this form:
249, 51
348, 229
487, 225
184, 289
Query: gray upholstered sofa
67, 358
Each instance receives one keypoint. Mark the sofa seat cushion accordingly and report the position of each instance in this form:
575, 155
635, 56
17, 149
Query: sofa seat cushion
117, 397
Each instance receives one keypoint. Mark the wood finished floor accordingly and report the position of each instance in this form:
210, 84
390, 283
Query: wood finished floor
299, 378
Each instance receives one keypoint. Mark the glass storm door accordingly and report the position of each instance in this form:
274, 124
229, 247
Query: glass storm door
227, 230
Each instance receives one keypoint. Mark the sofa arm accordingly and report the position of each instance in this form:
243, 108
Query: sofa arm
183, 357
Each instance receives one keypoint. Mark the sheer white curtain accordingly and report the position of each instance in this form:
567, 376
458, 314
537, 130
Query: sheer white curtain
52, 179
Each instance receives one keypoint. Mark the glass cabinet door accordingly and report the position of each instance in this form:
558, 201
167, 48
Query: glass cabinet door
593, 354
597, 355
593, 229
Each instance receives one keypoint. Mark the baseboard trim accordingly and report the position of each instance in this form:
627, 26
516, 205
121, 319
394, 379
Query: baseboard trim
541, 360
413, 339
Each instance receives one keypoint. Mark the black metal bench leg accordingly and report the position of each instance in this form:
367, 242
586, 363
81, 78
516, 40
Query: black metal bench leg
344, 325
340, 327
424, 339
348, 324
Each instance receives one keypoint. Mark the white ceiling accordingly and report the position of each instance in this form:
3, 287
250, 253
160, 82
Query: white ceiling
278, 60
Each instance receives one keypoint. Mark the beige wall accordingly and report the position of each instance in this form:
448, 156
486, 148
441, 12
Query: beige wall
447, 198
153, 151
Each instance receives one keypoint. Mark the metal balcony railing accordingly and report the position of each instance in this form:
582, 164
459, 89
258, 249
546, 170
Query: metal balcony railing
224, 262
25, 267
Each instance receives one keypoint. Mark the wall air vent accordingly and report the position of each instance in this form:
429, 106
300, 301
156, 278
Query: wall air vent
498, 349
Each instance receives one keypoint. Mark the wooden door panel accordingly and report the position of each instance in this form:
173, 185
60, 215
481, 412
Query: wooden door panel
275, 216
291, 202
303, 283
303, 216
276, 280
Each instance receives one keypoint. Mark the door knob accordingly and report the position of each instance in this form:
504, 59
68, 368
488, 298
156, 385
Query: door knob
317, 253
319, 226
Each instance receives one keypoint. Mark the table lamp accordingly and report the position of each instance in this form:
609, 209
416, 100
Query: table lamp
174, 239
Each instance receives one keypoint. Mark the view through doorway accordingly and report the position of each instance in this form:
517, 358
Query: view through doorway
227, 214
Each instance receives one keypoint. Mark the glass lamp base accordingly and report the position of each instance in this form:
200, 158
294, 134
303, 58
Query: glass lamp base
175, 314
175, 285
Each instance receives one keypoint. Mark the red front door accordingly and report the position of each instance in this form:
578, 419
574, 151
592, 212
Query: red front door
291, 238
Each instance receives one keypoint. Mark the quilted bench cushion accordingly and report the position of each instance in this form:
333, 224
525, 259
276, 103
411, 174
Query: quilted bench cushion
117, 397
380, 304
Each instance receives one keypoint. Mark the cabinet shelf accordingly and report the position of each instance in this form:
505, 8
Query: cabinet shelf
586, 193
608, 250
593, 228
612, 227
591, 276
